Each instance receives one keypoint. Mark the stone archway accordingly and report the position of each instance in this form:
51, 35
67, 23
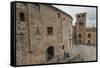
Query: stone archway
50, 53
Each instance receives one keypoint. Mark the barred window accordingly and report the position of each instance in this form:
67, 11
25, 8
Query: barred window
50, 30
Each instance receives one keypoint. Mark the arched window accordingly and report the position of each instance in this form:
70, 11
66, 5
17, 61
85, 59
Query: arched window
50, 30
22, 16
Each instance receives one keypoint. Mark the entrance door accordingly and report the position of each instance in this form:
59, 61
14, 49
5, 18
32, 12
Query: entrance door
50, 53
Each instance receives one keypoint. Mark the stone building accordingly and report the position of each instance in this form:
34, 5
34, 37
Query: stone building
43, 33
82, 34
90, 36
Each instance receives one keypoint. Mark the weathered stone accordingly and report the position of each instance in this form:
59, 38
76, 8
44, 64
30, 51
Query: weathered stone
39, 45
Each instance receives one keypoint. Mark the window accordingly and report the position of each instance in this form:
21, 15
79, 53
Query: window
58, 15
36, 7
89, 35
89, 41
33, 7
78, 15
79, 35
22, 16
63, 47
81, 23
83, 15
50, 30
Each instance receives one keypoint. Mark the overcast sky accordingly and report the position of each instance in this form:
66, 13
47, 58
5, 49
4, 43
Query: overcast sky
73, 10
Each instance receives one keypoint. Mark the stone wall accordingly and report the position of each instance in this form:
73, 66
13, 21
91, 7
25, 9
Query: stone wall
35, 40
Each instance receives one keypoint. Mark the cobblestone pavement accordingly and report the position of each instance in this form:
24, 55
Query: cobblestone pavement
87, 53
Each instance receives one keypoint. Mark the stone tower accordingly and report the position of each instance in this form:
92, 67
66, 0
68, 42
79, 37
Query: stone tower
80, 28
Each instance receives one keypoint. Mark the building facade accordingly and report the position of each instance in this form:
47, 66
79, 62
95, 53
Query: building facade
90, 36
43, 34
82, 34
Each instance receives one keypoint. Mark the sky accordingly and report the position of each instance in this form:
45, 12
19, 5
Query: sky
73, 10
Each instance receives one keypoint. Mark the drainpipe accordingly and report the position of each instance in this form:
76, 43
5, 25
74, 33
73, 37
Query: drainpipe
29, 29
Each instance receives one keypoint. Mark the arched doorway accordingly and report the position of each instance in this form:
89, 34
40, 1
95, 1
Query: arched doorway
50, 53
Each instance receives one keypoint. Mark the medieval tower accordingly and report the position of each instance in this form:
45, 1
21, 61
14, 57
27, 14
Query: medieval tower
80, 28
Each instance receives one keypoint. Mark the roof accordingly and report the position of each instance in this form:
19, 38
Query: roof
91, 29
81, 13
62, 11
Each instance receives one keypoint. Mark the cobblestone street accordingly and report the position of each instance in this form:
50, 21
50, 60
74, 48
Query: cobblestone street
80, 53
88, 53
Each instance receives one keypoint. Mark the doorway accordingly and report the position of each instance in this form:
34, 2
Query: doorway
50, 53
